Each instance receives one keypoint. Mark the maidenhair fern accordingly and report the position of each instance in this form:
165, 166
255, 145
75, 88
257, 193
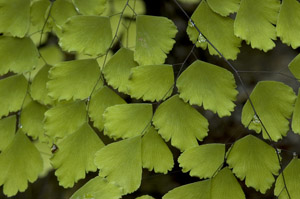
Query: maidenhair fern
116, 81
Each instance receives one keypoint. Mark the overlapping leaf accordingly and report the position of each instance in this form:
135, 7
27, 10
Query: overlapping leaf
255, 161
154, 39
7, 131
46, 154
20, 162
296, 115
224, 7
202, 161
127, 120
273, 102
90, 7
294, 67
180, 122
210, 85
38, 11
155, 153
117, 6
102, 99
121, 163
151, 82
75, 155
217, 29
86, 34
255, 24
17, 55
73, 79
61, 11
129, 36
117, 69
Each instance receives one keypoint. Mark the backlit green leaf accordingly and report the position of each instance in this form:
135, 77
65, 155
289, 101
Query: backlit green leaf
121, 163
118, 68
98, 188
39, 10
90, 7
217, 97
12, 101
154, 39
273, 102
255, 24
7, 131
127, 120
151, 82
14, 17
64, 119
75, 155
296, 115
86, 34
46, 154
255, 161
202, 161
224, 7
129, 36
294, 67
118, 5
217, 29
73, 79
20, 162
155, 153
61, 11
102, 99
17, 54
180, 122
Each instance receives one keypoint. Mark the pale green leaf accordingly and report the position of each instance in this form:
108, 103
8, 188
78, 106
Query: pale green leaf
86, 34
98, 188
46, 154
90, 7
75, 155
155, 153
224, 7
294, 67
102, 99
7, 131
287, 23
20, 162
154, 39
203, 161
17, 54
255, 161
14, 17
218, 97
217, 29
274, 104
296, 116
121, 163
12, 101
180, 122
292, 179
151, 82
64, 119
138, 6
61, 11
118, 68
129, 36
145, 197
73, 79
38, 11
127, 120
255, 24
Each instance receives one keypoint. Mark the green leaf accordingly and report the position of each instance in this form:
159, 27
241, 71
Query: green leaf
98, 188
224, 7
254, 160
180, 122
73, 79
61, 11
218, 97
125, 168
255, 24
145, 197
217, 29
127, 120
118, 68
296, 116
58, 123
154, 39
118, 5
15, 24
39, 10
129, 36
152, 82
289, 16
20, 162
294, 67
7, 131
102, 99
75, 155
90, 7
17, 55
273, 101
46, 154
202, 161
86, 34
292, 180
12, 101
155, 153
